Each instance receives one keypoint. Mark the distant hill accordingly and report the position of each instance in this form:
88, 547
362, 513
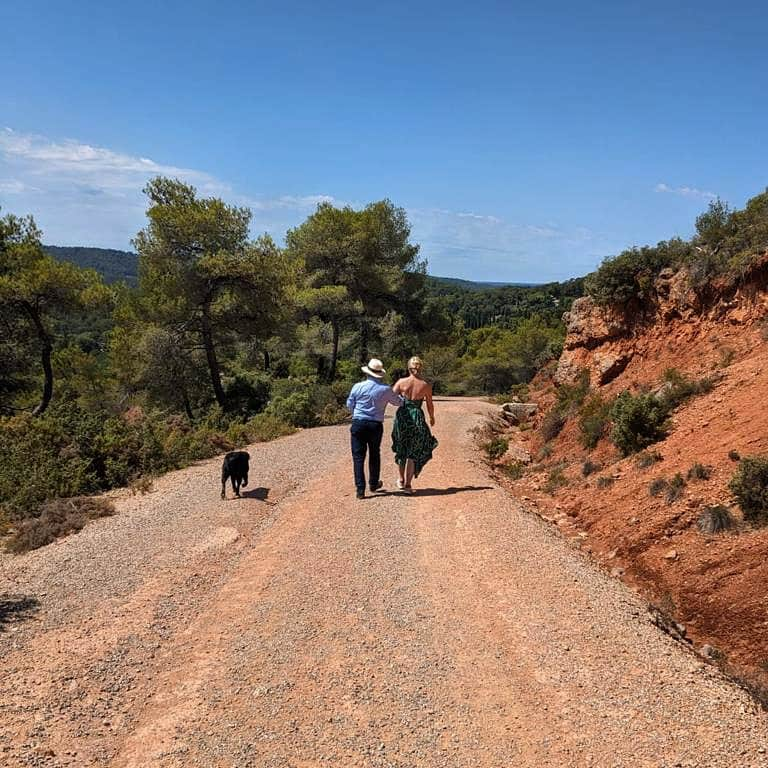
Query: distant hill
471, 285
114, 266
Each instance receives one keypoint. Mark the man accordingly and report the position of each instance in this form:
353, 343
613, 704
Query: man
368, 400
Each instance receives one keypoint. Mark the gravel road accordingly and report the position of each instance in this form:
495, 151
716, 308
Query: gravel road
299, 627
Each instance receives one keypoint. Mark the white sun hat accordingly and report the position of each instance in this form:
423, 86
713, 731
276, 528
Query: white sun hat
374, 368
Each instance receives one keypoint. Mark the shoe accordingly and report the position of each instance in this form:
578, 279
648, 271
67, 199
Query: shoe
377, 487
360, 494
408, 489
400, 485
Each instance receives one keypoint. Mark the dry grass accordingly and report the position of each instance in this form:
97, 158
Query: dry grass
57, 518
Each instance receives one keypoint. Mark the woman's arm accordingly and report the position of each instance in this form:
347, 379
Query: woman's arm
430, 406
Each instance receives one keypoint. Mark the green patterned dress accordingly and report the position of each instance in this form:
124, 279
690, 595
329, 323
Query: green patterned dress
411, 438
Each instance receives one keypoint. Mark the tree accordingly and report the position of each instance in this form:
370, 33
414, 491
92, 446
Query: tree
34, 287
200, 276
355, 264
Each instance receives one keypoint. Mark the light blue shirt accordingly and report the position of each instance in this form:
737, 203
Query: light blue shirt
370, 398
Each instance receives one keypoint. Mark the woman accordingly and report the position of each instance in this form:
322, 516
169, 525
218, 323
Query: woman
412, 442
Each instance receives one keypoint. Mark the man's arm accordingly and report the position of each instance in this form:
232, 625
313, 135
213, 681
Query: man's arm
352, 399
393, 398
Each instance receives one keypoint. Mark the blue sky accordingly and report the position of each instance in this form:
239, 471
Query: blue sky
527, 141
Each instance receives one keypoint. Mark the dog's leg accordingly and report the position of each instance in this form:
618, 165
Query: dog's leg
236, 486
224, 478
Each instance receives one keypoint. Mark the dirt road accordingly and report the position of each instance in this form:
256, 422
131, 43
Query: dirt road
301, 627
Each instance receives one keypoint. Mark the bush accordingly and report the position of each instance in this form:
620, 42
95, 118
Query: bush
295, 409
594, 418
699, 472
678, 388
571, 396
750, 488
544, 452
58, 517
555, 480
247, 392
605, 482
715, 519
638, 421
514, 470
647, 459
590, 467
553, 424
674, 488
496, 448
658, 486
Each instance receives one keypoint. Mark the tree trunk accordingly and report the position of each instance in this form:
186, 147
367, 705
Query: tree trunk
335, 350
364, 334
267, 361
210, 356
187, 405
46, 349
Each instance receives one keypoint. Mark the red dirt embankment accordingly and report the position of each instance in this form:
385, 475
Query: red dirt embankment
714, 584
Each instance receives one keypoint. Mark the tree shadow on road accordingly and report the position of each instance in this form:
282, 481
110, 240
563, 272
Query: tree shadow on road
256, 493
16, 608
450, 491
438, 491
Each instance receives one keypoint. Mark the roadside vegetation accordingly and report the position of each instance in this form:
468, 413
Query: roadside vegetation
216, 339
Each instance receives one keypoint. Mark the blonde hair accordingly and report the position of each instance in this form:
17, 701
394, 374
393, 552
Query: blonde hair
415, 364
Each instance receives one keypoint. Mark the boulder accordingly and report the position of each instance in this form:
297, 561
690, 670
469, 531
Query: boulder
514, 413
609, 366
589, 325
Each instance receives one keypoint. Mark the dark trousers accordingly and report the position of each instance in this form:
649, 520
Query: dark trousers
366, 436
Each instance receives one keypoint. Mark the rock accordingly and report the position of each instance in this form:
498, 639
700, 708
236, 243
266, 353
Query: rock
671, 555
588, 325
708, 652
617, 572
516, 453
517, 412
609, 366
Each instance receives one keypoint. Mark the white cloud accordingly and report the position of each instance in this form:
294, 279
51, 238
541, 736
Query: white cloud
481, 246
86, 195
685, 191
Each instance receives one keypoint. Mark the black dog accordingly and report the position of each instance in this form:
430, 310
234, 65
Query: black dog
235, 466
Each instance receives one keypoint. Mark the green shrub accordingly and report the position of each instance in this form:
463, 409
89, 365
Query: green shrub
678, 388
594, 418
647, 459
571, 396
247, 392
552, 424
496, 448
605, 482
514, 470
674, 488
714, 519
658, 486
630, 275
699, 472
295, 409
589, 467
638, 421
750, 488
544, 452
263, 427
556, 479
